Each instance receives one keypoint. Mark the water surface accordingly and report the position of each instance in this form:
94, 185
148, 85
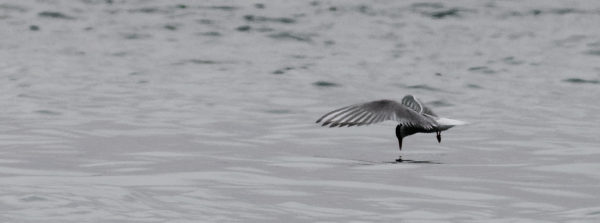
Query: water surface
153, 111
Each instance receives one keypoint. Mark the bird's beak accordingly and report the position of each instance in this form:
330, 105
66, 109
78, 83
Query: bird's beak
439, 136
400, 143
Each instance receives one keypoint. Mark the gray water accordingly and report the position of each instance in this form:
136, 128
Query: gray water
203, 111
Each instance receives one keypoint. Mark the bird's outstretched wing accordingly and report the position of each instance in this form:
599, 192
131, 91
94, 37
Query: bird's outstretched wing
375, 112
415, 104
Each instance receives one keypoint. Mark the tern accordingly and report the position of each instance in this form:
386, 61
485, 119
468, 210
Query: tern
411, 114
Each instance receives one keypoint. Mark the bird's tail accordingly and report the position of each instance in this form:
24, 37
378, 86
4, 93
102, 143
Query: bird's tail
450, 122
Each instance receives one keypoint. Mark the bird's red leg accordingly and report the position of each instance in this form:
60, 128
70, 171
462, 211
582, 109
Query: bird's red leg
439, 136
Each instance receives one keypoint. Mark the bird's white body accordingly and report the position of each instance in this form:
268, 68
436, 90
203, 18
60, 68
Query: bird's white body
446, 123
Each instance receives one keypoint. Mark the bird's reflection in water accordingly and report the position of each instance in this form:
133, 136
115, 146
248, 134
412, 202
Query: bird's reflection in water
398, 161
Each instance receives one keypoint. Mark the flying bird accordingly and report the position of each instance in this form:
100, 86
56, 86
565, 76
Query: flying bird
411, 114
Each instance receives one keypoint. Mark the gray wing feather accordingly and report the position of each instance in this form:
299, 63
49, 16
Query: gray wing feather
416, 105
375, 112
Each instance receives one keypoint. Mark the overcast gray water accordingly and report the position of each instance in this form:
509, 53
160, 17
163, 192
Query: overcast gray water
204, 111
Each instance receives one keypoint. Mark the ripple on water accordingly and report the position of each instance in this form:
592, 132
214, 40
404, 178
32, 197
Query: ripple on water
325, 84
307, 163
134, 36
320, 211
593, 52
199, 61
54, 15
253, 18
589, 170
512, 61
423, 87
440, 103
282, 70
244, 28
279, 111
437, 10
300, 37
211, 33
48, 112
474, 86
581, 81
171, 27
588, 213
12, 8
220, 7
482, 69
